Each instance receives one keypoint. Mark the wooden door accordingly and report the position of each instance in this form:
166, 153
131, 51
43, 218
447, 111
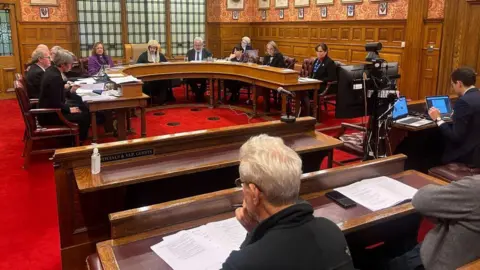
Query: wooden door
9, 52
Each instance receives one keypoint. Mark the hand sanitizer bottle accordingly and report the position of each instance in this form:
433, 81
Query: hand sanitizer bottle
95, 161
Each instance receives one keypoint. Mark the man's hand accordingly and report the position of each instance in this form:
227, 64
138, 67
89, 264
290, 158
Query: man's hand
244, 217
434, 113
232, 55
74, 88
75, 110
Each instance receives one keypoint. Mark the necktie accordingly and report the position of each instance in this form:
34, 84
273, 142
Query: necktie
198, 56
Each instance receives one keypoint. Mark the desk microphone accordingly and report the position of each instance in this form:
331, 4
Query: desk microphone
281, 90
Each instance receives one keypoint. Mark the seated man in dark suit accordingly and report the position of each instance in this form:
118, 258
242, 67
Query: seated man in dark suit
198, 53
282, 231
53, 95
462, 136
40, 62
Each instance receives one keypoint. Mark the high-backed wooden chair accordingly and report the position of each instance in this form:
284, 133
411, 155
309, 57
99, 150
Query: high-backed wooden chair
83, 62
33, 101
36, 133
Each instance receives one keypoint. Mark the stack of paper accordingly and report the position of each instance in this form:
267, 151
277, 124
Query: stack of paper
97, 97
203, 248
305, 79
125, 79
378, 193
85, 81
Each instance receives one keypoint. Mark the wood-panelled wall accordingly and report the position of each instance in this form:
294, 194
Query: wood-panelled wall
461, 40
346, 41
30, 34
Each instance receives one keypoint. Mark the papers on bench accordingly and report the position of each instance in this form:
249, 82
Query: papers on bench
125, 79
85, 81
97, 97
203, 248
305, 79
378, 193
86, 88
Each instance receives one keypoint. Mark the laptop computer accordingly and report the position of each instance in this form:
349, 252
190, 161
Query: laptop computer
400, 114
442, 103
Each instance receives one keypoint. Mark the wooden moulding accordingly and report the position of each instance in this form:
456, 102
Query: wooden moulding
77, 156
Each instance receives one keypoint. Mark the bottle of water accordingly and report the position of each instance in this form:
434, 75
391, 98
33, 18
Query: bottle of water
96, 161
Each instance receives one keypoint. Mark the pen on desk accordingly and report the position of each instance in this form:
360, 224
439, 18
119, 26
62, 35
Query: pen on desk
238, 205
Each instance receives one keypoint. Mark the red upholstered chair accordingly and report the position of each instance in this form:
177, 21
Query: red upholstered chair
33, 101
93, 262
352, 142
83, 62
36, 133
453, 171
289, 62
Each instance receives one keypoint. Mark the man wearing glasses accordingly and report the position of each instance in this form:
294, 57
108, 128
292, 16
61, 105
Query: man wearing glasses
282, 231
40, 62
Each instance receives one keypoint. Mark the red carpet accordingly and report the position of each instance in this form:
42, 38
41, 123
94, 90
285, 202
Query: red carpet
29, 226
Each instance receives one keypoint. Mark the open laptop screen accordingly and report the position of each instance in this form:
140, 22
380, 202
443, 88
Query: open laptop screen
442, 103
400, 108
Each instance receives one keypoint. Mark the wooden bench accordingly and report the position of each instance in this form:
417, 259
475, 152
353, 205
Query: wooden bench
134, 231
147, 171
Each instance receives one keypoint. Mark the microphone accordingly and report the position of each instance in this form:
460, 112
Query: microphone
281, 90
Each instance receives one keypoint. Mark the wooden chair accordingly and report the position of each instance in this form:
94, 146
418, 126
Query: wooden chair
33, 101
83, 66
36, 133
352, 142
329, 94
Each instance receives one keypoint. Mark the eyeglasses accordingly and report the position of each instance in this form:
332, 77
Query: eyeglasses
239, 183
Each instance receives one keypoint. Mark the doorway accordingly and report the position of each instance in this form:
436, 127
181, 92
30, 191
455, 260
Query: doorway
9, 51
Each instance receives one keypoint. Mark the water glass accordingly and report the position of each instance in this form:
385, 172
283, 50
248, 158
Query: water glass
185, 59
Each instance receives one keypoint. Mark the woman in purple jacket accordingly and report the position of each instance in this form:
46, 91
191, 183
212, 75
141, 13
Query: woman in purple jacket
98, 58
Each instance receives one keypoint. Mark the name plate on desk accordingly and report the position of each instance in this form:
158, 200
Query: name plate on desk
127, 155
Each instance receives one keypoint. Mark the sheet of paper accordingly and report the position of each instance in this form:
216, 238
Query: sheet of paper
228, 234
115, 75
210, 243
378, 193
97, 98
85, 81
186, 251
304, 79
421, 123
125, 79
94, 86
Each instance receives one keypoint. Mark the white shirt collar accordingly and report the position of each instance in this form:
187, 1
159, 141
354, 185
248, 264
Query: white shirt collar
468, 89
40, 66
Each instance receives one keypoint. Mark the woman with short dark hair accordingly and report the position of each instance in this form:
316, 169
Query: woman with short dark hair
324, 70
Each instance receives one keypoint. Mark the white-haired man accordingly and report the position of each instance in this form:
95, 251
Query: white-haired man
40, 62
282, 231
198, 53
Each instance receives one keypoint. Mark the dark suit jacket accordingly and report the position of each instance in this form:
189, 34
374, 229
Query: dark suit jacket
463, 134
52, 94
143, 58
191, 54
293, 239
278, 60
34, 80
327, 72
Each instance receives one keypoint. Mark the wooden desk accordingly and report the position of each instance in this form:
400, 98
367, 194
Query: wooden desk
120, 105
159, 169
475, 265
253, 74
134, 231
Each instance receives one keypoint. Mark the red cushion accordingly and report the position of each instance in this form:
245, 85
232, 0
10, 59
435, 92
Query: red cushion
353, 143
453, 171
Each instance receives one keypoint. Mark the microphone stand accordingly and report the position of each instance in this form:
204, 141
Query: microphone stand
288, 118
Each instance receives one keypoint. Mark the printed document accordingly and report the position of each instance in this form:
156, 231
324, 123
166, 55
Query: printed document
203, 248
378, 193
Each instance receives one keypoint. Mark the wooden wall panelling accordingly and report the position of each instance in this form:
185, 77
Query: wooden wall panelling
417, 13
214, 39
33, 33
430, 58
461, 44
